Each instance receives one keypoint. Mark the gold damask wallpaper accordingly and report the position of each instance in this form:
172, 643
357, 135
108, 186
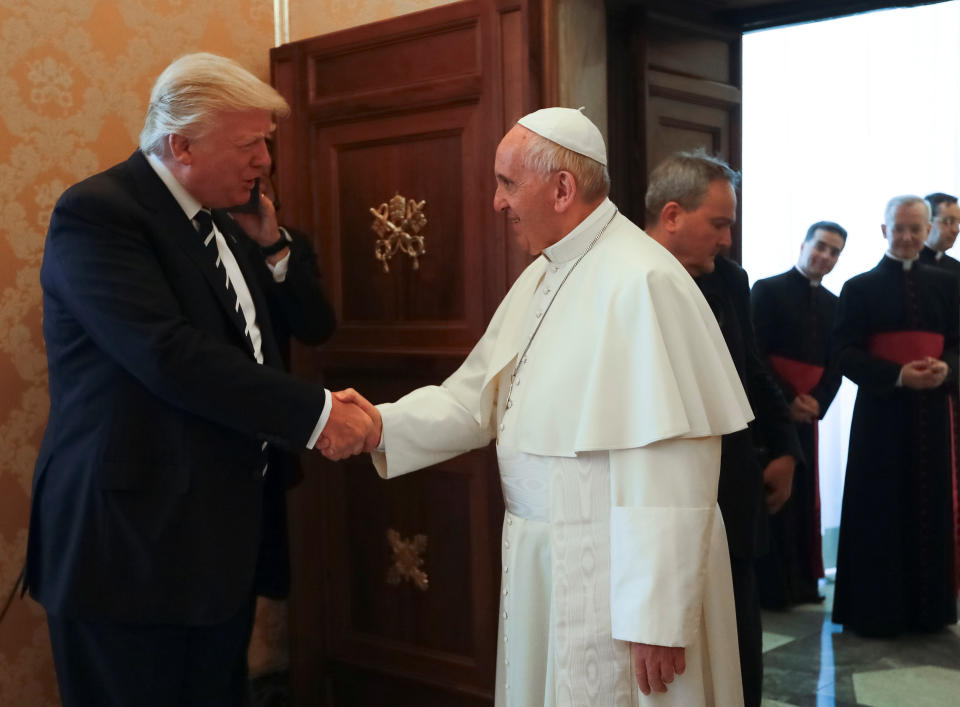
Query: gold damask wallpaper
74, 85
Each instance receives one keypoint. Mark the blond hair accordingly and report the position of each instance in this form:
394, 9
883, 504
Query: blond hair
193, 89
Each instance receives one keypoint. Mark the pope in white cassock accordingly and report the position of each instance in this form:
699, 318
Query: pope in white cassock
606, 383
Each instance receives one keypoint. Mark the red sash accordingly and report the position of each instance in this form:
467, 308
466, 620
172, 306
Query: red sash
905, 346
802, 377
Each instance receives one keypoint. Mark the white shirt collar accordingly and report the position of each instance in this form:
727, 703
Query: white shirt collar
907, 263
575, 243
813, 283
186, 200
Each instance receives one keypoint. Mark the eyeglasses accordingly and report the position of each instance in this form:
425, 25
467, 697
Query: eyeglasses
948, 222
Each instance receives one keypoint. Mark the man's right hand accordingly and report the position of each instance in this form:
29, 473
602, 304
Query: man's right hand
347, 430
349, 395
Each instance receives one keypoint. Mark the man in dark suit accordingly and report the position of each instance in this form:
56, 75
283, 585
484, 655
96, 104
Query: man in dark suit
793, 317
944, 227
691, 205
150, 524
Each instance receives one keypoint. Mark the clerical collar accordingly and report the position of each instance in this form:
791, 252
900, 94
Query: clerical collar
186, 200
810, 280
906, 262
575, 243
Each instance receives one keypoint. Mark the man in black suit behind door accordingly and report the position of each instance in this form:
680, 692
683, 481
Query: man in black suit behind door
150, 523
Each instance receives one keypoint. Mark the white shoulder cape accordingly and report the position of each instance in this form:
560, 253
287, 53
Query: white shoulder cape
629, 353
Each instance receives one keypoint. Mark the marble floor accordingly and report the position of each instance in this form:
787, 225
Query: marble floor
811, 662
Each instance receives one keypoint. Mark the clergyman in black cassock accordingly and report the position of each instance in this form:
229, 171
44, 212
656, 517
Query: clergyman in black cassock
944, 228
895, 555
792, 318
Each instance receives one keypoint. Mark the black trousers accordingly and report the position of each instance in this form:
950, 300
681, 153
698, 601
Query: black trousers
749, 632
130, 665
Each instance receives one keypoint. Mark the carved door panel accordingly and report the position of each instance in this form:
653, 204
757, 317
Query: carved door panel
396, 582
675, 84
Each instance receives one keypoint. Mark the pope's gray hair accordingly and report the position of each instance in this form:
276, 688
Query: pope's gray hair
685, 177
904, 200
546, 157
193, 89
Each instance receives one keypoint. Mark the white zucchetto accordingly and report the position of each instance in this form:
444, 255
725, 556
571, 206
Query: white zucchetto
569, 128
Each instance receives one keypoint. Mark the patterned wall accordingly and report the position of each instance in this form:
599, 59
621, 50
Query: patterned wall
75, 80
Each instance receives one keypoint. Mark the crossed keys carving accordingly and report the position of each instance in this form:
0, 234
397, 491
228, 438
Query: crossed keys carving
407, 560
398, 224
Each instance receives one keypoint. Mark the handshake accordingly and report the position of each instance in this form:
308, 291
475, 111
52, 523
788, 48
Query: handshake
354, 426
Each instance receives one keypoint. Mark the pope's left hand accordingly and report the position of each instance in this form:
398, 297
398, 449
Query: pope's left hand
656, 666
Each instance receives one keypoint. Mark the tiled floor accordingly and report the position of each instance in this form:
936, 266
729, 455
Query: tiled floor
811, 662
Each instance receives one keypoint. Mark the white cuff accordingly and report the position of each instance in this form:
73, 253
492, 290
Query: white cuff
322, 422
279, 268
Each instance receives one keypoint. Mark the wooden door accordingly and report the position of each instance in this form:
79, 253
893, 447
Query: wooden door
674, 84
411, 108
674, 79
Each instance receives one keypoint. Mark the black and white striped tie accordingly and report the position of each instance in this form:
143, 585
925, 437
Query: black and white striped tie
204, 223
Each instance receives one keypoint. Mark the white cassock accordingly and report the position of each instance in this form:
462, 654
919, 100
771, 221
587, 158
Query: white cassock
608, 442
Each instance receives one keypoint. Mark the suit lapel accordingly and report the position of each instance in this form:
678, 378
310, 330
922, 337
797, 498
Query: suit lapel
172, 223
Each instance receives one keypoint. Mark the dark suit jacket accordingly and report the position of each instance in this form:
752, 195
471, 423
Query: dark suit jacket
148, 492
784, 309
770, 435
